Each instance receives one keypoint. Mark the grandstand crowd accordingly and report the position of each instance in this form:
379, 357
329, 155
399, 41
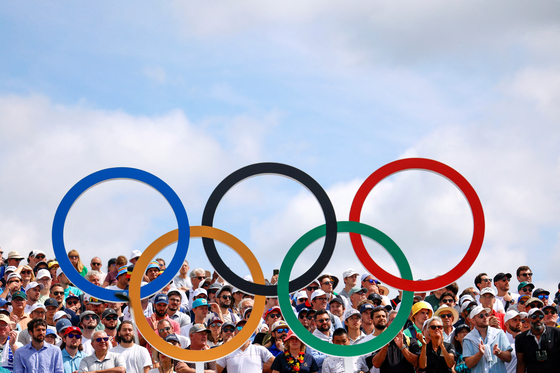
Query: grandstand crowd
504, 323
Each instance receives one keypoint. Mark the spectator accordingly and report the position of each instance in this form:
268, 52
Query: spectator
328, 284
353, 323
350, 278
14, 259
449, 316
421, 311
96, 265
182, 280
215, 326
19, 301
199, 339
27, 275
200, 312
110, 321
77, 262
366, 310
357, 295
336, 307
44, 278
53, 267
458, 337
524, 274
137, 358
225, 301
113, 268
537, 348
550, 316
542, 295
8, 342
501, 282
161, 263
436, 355
175, 299
487, 300
279, 331
37, 312
38, 356
167, 364
122, 279
294, 357
512, 321
33, 292
435, 298
102, 358
94, 277
72, 350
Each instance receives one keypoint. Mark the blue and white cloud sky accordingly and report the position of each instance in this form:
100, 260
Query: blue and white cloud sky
192, 91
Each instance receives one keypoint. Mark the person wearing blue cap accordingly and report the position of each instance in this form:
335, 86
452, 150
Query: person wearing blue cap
161, 303
200, 312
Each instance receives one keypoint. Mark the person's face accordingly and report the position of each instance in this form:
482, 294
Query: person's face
272, 318
4, 328
525, 276
74, 259
421, 316
514, 325
50, 339
485, 282
323, 323
164, 329
537, 322
461, 335
39, 313
152, 273
100, 343
320, 302
14, 283
351, 280
447, 301
161, 309
295, 343
303, 319
174, 302
96, 264
341, 340
46, 282
439, 292
110, 322
200, 276
358, 297
245, 305
280, 333
327, 285
134, 260
51, 310
201, 312
33, 294
354, 322
311, 319
184, 268
95, 280
73, 339
239, 327
271, 302
367, 317
391, 318
26, 274
487, 300
57, 293
481, 320
550, 315
89, 321
14, 262
503, 284
215, 327
380, 320
369, 283
337, 309
526, 290
435, 330
38, 333
161, 265
237, 297
53, 271
227, 332
98, 308
310, 289
543, 297
447, 318
225, 299
525, 324
18, 303
123, 280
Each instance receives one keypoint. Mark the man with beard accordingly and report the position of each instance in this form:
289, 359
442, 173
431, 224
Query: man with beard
66, 284
88, 323
152, 272
161, 304
38, 356
537, 348
110, 321
137, 358
485, 349
72, 350
102, 359
336, 307
379, 317
224, 300
366, 307
175, 300
512, 321
38, 311
322, 331
199, 341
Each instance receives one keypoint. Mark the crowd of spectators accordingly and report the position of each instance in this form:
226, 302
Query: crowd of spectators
49, 325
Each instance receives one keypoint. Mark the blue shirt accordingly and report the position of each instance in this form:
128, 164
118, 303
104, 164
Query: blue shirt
72, 364
48, 359
493, 336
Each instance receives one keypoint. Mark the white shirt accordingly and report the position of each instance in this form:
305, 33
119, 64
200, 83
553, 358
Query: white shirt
135, 357
249, 361
511, 367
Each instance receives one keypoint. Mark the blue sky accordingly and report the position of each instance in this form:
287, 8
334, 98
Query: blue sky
193, 91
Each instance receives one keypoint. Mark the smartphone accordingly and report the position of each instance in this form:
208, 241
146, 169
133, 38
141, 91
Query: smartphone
275, 272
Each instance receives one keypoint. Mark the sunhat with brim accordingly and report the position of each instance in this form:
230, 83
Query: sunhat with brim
332, 277
416, 307
290, 335
448, 309
383, 289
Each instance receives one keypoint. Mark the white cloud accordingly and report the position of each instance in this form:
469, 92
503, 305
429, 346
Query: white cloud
156, 73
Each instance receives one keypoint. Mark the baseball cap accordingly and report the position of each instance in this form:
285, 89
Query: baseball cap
107, 312
523, 284
174, 292
466, 297
317, 293
249, 309
540, 291
501, 275
351, 312
36, 306
43, 273
161, 298
84, 314
63, 324
53, 263
19, 294
199, 291
172, 338
366, 306
51, 302
5, 318
349, 272
58, 271
13, 275
337, 299
198, 328
510, 315
199, 302
301, 295
374, 297
356, 289
487, 291
3, 302
59, 315
278, 324
535, 310
478, 309
269, 311
50, 332
535, 299
34, 284
523, 297
10, 269
72, 329
223, 288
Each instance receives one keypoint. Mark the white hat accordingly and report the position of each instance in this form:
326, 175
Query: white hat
38, 252
351, 312
10, 269
32, 285
37, 306
59, 314
510, 315
364, 276
43, 273
135, 254
523, 315
12, 275
199, 291
487, 291
534, 310
317, 293
301, 295
466, 297
349, 272
448, 309
478, 309
465, 305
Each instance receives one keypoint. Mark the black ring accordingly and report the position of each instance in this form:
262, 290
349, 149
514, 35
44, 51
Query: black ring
293, 173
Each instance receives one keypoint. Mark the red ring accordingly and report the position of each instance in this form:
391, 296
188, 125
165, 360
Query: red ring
460, 182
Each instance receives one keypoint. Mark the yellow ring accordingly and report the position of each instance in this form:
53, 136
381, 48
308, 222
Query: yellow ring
176, 352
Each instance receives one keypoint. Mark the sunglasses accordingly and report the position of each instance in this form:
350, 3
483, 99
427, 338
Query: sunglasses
206, 285
275, 315
99, 340
215, 324
446, 315
542, 296
282, 330
371, 281
240, 327
522, 302
483, 315
73, 257
25, 272
322, 299
328, 283
550, 312
228, 330
309, 317
526, 274
505, 279
321, 321
487, 280
58, 293
213, 291
166, 329
40, 257
89, 317
532, 305
95, 264
71, 302
77, 336
226, 297
436, 327
526, 290
201, 277
312, 288
447, 300
111, 318
535, 317
12, 281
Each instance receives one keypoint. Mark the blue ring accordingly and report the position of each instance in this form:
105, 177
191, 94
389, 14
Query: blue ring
119, 173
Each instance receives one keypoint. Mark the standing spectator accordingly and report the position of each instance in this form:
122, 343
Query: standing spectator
77, 262
8, 343
161, 263
72, 350
550, 316
353, 323
501, 282
200, 312
458, 337
436, 355
449, 316
279, 331
44, 278
113, 268
38, 356
96, 265
328, 284
182, 280
101, 358
53, 267
350, 278
173, 309
336, 307
366, 310
537, 348
225, 301
66, 284
435, 298
421, 311
122, 279
294, 358
19, 301
167, 364
512, 321
524, 274
137, 358
110, 320
161, 303
488, 300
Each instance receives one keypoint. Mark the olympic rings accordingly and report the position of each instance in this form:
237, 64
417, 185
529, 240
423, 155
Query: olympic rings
478, 224
323, 346
174, 351
90, 181
270, 168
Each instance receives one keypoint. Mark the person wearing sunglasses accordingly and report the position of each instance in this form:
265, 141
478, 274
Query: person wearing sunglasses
328, 284
447, 299
88, 322
225, 301
14, 259
279, 331
542, 294
488, 300
525, 288
302, 317
294, 358
550, 316
503, 295
136, 358
512, 322
357, 294
538, 348
110, 320
199, 341
436, 354
315, 285
9, 341
485, 349
102, 358
524, 273
449, 316
38, 356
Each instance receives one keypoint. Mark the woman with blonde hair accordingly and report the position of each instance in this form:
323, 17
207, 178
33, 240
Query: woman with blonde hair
77, 262
294, 358
26, 274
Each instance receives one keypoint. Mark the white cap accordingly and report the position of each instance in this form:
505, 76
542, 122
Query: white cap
523, 315
349, 272
487, 291
464, 306
135, 254
317, 293
301, 295
466, 297
200, 291
12, 275
60, 314
37, 306
10, 269
478, 309
38, 252
533, 311
364, 276
43, 273
58, 271
34, 284
510, 315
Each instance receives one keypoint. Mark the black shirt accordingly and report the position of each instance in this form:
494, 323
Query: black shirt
281, 364
550, 345
395, 362
436, 361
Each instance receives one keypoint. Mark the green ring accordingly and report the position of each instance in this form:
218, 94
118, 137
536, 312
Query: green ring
323, 346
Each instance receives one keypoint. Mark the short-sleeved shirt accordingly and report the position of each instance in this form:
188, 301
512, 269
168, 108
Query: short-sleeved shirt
435, 359
395, 362
135, 357
308, 366
72, 364
526, 344
92, 363
246, 361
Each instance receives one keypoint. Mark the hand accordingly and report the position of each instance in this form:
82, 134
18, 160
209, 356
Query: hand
497, 350
494, 322
481, 347
421, 338
215, 308
14, 318
399, 340
508, 298
13, 337
274, 280
280, 344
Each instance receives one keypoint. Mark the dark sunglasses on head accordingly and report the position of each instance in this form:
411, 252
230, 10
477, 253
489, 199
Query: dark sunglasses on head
438, 327
228, 330
226, 297
539, 316
77, 336
99, 340
527, 274
542, 296
312, 288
